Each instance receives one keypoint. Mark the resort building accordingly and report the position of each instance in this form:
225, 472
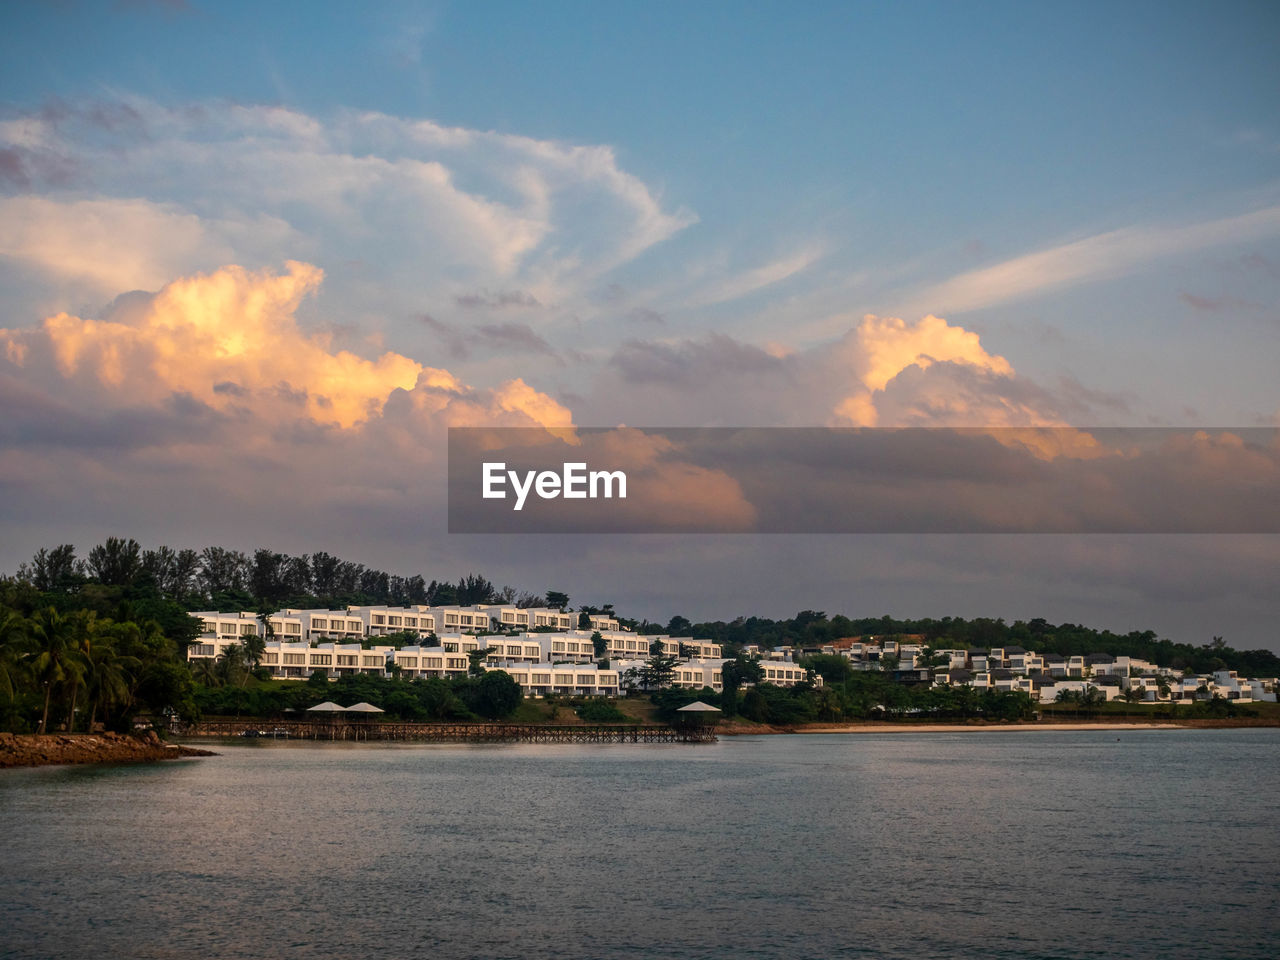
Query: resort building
555, 657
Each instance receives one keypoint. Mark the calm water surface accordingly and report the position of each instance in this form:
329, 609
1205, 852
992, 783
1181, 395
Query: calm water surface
997, 845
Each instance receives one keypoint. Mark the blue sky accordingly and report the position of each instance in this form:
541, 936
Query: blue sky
652, 213
918, 138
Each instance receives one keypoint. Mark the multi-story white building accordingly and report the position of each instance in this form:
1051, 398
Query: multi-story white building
539, 680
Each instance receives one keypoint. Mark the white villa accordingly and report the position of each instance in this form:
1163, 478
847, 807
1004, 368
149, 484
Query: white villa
1045, 676
546, 653
541, 648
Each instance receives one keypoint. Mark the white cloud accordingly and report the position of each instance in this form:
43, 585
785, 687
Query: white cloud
758, 278
420, 211
1092, 258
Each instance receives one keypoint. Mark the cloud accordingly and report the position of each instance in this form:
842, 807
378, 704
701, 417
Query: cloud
758, 278
1217, 304
230, 340
162, 192
519, 338
879, 349
123, 244
1110, 254
884, 371
691, 363
509, 298
644, 315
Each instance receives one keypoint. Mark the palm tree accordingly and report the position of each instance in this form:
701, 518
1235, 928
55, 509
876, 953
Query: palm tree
109, 672
54, 637
84, 625
252, 648
13, 644
205, 671
231, 663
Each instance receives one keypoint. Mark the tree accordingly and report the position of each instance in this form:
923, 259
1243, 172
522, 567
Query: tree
109, 672
832, 668
252, 647
267, 578
678, 626
13, 646
116, 563
495, 695
231, 664
56, 569
659, 670
733, 674
599, 645
222, 571
584, 621
475, 661
55, 642
557, 600
473, 589
205, 671
84, 626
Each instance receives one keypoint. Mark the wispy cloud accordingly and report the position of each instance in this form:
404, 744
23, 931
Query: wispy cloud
1094, 258
758, 278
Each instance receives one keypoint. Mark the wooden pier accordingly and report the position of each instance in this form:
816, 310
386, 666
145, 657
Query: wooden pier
342, 729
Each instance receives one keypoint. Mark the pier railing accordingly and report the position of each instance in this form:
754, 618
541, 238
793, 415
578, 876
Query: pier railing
448, 732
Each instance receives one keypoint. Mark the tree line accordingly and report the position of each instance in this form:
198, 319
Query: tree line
232, 580
812, 629
491, 695
846, 694
71, 670
103, 638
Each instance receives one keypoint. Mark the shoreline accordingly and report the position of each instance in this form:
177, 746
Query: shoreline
745, 730
66, 749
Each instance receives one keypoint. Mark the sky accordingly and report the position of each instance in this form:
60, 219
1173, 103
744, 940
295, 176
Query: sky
255, 259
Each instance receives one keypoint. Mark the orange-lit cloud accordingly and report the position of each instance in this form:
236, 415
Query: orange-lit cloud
230, 339
880, 348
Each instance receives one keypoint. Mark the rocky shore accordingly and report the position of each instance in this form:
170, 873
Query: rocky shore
49, 749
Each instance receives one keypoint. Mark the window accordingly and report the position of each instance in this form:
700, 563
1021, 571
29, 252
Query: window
294, 628
200, 650
319, 623
271, 658
321, 659
395, 621
294, 659
248, 629
348, 661
379, 619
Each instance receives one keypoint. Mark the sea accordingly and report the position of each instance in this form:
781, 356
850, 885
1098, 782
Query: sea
997, 844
